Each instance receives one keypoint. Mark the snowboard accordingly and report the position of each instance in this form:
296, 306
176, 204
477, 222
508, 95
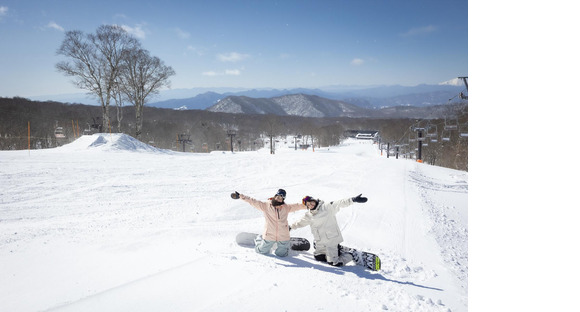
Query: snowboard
246, 239
363, 258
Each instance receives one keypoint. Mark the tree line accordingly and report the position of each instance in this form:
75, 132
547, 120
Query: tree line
206, 131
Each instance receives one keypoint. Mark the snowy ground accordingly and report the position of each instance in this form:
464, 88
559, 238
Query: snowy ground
107, 223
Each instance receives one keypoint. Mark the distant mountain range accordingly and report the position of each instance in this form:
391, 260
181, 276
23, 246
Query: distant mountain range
375, 101
315, 106
372, 97
294, 104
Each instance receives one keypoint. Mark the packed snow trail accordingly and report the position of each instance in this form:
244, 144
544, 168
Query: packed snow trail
108, 223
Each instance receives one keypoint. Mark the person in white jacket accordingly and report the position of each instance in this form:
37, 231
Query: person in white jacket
321, 217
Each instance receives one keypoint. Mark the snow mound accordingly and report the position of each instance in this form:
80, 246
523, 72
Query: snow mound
111, 142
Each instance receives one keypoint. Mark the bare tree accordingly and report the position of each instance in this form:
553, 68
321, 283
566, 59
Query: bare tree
273, 127
94, 61
118, 96
142, 75
308, 128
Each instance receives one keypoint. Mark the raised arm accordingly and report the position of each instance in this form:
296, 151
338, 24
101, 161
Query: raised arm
253, 202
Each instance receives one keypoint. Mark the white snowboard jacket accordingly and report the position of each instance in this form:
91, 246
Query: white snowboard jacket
323, 222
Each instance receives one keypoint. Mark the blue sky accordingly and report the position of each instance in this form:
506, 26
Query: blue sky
247, 44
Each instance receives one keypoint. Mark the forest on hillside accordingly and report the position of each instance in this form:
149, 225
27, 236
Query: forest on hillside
32, 124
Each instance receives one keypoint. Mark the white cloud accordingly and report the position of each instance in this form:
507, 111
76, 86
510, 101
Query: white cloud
198, 51
227, 72
181, 33
232, 57
56, 26
3, 11
357, 62
419, 31
136, 31
233, 72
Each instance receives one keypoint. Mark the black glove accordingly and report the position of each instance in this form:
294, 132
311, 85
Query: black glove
359, 199
235, 195
289, 229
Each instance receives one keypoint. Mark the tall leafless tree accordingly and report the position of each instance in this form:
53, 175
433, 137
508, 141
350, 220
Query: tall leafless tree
118, 96
94, 61
142, 75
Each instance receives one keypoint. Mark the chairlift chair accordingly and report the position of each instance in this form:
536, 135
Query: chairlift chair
446, 135
450, 124
422, 132
463, 131
432, 133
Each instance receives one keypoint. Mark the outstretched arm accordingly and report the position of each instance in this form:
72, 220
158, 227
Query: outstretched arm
301, 223
336, 205
253, 202
295, 207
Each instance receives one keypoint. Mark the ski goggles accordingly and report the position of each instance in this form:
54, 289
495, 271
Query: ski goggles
281, 193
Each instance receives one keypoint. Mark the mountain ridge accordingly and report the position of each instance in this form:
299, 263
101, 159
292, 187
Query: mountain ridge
373, 97
304, 105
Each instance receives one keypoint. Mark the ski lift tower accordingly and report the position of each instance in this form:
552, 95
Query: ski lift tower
461, 95
420, 139
184, 139
232, 134
397, 151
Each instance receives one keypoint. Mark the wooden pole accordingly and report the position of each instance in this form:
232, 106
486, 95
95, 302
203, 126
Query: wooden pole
29, 138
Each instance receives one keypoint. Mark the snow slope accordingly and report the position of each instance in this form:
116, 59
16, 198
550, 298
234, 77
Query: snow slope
108, 223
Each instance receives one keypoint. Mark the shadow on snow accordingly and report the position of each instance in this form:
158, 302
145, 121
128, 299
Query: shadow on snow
355, 269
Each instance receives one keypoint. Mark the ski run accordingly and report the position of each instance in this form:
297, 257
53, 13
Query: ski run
107, 223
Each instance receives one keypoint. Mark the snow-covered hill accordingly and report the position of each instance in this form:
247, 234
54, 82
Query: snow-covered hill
108, 223
293, 104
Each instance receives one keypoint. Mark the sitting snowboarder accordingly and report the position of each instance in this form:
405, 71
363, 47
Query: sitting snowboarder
321, 217
276, 229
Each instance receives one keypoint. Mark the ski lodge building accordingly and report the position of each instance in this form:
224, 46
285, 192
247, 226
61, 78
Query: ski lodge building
362, 134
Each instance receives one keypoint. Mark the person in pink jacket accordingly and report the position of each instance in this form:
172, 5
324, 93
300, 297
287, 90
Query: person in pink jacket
276, 228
